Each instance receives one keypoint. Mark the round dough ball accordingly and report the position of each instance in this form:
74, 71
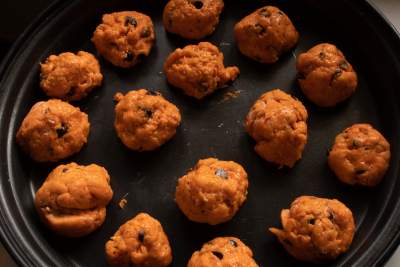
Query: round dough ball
140, 242
265, 34
277, 122
124, 38
192, 19
198, 69
316, 229
144, 120
53, 130
325, 76
213, 191
223, 252
70, 77
72, 201
360, 155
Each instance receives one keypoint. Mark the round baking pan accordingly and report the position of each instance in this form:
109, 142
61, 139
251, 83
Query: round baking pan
210, 128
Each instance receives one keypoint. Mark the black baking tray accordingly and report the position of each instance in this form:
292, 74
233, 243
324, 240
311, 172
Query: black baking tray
210, 128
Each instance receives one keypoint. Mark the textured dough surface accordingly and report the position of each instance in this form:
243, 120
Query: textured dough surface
277, 122
124, 38
53, 130
213, 191
72, 201
198, 70
326, 77
140, 242
360, 155
223, 252
265, 34
192, 19
316, 229
69, 76
144, 120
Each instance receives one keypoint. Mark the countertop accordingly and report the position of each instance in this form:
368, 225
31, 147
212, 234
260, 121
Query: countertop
391, 8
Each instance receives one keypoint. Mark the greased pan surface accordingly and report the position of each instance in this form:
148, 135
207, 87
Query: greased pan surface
210, 128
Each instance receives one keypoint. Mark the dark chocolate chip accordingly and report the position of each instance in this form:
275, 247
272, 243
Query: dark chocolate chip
331, 216
233, 243
360, 171
322, 55
355, 144
130, 21
311, 221
146, 32
335, 75
259, 29
62, 130
343, 65
149, 92
221, 173
203, 86
197, 4
128, 56
217, 254
265, 13
141, 235
65, 170
71, 91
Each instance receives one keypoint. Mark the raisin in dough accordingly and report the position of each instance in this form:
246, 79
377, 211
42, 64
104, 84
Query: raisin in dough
53, 130
140, 242
360, 155
198, 70
72, 201
124, 38
277, 122
69, 76
213, 191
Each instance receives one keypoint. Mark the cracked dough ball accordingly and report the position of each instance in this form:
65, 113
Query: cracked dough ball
72, 201
124, 38
213, 191
277, 122
140, 242
69, 76
53, 130
198, 70
360, 155
192, 19
144, 120
265, 34
316, 229
326, 77
223, 252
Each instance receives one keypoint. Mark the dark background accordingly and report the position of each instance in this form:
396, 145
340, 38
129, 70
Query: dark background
15, 16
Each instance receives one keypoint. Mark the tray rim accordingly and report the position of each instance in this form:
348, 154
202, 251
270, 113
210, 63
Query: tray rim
16, 246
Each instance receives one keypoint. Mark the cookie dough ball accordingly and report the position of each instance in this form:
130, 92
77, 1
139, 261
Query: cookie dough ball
265, 34
360, 155
213, 191
53, 130
140, 242
316, 229
325, 76
192, 19
70, 76
73, 199
223, 252
198, 70
277, 122
124, 38
144, 120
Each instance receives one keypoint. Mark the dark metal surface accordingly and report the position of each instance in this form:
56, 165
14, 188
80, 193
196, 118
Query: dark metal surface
210, 128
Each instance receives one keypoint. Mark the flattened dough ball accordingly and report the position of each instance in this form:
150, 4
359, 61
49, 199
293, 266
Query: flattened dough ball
265, 34
223, 252
277, 122
69, 76
72, 201
124, 38
316, 229
325, 76
144, 120
192, 19
360, 155
140, 242
198, 69
53, 130
212, 192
